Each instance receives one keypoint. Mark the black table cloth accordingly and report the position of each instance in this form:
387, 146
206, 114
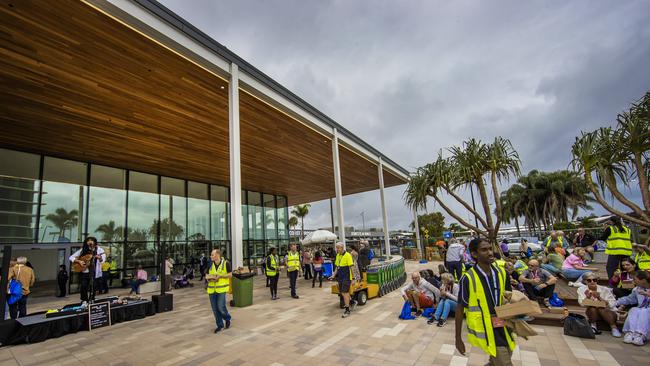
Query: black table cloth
37, 328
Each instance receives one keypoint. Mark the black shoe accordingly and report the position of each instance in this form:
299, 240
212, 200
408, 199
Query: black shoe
441, 323
227, 324
295, 296
418, 313
431, 320
346, 313
218, 330
353, 304
596, 331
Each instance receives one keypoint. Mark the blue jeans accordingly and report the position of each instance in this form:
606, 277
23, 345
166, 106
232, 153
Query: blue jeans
550, 268
443, 309
218, 302
575, 274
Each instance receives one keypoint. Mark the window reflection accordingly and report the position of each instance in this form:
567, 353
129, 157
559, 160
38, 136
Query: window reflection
283, 224
143, 207
220, 214
107, 203
270, 216
19, 186
173, 209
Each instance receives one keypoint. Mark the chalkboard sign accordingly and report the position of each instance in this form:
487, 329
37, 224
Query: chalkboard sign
99, 315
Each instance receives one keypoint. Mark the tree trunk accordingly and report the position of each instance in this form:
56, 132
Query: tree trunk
517, 224
302, 228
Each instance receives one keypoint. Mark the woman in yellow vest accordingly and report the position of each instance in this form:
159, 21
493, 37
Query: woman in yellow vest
481, 290
642, 257
272, 270
218, 278
619, 244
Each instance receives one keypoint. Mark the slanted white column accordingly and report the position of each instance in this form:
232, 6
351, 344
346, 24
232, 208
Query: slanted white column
384, 214
418, 243
235, 170
337, 185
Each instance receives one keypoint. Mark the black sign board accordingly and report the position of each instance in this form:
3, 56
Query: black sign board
99, 315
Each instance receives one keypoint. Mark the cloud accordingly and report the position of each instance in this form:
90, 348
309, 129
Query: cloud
412, 80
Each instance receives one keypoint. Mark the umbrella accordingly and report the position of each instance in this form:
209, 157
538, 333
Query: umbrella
318, 236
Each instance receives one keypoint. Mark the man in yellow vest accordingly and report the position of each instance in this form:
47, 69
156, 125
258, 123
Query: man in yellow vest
218, 278
293, 269
619, 244
343, 273
642, 257
481, 290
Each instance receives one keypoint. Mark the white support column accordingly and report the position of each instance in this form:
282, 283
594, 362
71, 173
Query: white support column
337, 185
418, 243
384, 214
235, 170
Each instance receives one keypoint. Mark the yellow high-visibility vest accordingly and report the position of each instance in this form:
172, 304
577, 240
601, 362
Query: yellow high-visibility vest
619, 242
344, 260
642, 259
479, 322
223, 283
560, 239
293, 262
272, 262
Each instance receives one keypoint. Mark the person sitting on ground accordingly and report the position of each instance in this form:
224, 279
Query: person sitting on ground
553, 263
621, 278
584, 240
525, 251
591, 290
538, 283
574, 267
420, 294
553, 241
140, 278
637, 324
513, 276
505, 249
448, 300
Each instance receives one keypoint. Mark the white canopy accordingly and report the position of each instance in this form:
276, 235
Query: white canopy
318, 236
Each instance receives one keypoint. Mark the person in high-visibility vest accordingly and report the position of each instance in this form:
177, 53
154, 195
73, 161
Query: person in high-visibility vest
343, 273
642, 256
619, 244
481, 290
292, 260
272, 271
112, 271
555, 240
218, 278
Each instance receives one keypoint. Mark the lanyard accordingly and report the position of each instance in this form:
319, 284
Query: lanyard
494, 290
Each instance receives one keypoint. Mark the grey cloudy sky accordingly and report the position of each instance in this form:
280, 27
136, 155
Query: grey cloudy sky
414, 77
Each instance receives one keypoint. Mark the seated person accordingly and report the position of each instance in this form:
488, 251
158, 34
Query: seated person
553, 263
591, 290
584, 240
140, 278
574, 267
505, 249
420, 293
513, 276
448, 300
524, 250
538, 283
623, 277
637, 324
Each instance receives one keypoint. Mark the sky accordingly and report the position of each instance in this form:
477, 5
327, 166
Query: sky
412, 78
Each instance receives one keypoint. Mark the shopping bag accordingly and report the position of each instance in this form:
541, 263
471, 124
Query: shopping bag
406, 312
577, 325
428, 312
555, 301
15, 292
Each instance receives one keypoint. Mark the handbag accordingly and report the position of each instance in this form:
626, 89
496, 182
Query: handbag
577, 325
555, 301
15, 290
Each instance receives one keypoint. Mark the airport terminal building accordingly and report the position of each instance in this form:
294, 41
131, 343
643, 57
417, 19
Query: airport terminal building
121, 120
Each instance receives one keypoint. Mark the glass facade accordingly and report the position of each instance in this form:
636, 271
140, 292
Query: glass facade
47, 200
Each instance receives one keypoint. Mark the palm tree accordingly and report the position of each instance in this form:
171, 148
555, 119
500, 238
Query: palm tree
109, 231
62, 219
300, 211
169, 229
293, 222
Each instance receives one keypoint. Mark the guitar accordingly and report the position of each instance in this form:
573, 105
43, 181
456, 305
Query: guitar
81, 263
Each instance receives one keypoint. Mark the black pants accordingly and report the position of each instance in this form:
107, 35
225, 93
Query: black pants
307, 270
104, 282
455, 268
273, 284
318, 274
62, 288
621, 292
19, 308
534, 294
84, 287
293, 276
614, 263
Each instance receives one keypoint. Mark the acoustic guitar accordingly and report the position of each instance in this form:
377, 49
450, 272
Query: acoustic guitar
85, 262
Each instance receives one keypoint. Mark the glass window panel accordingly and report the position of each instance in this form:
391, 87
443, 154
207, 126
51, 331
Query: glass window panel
219, 193
283, 214
19, 187
106, 211
198, 211
63, 201
143, 209
244, 213
270, 218
220, 213
255, 213
284, 247
173, 210
139, 254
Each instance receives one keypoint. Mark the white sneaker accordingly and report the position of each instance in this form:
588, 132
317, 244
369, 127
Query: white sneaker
638, 340
571, 284
628, 338
616, 333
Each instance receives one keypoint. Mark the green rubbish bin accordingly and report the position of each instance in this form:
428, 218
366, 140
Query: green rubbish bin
242, 289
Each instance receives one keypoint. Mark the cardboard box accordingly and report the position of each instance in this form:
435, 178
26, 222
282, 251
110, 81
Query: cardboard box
517, 309
628, 285
556, 310
594, 303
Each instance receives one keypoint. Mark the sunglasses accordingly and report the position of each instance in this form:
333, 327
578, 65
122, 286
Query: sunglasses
590, 280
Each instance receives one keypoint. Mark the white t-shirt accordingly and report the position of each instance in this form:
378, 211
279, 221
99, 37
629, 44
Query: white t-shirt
98, 263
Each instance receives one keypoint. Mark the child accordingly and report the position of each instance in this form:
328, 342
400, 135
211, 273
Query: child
62, 279
637, 324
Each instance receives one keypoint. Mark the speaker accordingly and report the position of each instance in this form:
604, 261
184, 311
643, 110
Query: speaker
163, 303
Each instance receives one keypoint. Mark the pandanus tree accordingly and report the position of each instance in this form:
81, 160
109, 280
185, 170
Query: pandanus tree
610, 158
473, 165
300, 211
63, 219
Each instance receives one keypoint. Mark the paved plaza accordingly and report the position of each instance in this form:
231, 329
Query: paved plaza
306, 331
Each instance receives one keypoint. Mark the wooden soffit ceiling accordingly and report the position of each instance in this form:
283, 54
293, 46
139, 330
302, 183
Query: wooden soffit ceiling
77, 84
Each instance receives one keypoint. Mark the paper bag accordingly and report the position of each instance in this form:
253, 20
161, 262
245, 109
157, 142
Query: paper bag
628, 285
521, 328
594, 303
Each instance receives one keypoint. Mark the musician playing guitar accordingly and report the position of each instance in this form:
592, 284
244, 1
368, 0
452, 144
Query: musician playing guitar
87, 261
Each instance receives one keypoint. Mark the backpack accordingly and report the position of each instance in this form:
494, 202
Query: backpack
371, 254
15, 290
